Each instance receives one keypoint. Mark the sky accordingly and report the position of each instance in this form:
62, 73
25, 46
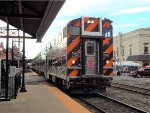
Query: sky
127, 15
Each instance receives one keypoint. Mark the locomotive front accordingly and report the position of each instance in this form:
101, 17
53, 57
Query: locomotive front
89, 54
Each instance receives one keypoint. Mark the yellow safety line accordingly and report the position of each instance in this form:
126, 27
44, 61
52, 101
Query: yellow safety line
68, 102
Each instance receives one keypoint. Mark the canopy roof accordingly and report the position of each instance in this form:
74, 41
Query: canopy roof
145, 58
127, 63
34, 17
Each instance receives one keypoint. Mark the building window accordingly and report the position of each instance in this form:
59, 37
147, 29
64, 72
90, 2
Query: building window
130, 49
146, 48
122, 50
114, 55
117, 53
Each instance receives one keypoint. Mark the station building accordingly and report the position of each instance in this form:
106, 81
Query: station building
16, 52
133, 46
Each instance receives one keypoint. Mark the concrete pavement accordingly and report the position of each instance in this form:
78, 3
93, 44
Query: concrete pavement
41, 98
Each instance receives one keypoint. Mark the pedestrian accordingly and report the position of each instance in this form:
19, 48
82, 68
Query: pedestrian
3, 74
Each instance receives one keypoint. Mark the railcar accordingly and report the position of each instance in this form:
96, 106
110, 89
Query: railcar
80, 58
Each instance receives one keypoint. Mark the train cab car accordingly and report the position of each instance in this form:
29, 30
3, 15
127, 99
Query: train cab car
80, 58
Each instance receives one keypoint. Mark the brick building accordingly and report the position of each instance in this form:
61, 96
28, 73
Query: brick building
16, 52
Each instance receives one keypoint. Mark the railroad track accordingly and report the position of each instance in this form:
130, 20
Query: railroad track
92, 105
132, 88
105, 104
122, 103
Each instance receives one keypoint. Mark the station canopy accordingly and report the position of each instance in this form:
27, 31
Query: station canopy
31, 16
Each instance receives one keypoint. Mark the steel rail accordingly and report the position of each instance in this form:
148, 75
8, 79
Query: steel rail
122, 103
88, 103
133, 86
126, 87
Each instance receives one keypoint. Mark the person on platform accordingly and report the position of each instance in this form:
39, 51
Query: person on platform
3, 74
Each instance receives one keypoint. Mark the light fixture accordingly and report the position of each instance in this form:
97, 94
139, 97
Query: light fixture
73, 61
107, 61
88, 21
92, 21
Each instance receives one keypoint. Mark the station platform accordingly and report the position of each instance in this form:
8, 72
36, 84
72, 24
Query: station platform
41, 97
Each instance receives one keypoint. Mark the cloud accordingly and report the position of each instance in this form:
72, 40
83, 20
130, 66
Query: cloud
75, 7
59, 23
142, 19
126, 25
100, 8
131, 10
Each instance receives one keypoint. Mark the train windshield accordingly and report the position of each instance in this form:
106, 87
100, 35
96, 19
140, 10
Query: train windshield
90, 49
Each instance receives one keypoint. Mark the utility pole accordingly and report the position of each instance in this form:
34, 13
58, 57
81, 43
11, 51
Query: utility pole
120, 52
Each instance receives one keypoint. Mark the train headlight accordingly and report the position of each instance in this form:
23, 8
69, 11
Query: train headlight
92, 21
88, 21
107, 61
73, 61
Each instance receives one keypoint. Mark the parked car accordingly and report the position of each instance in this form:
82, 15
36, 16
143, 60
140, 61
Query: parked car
147, 66
141, 72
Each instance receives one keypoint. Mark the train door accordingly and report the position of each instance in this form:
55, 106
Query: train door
91, 64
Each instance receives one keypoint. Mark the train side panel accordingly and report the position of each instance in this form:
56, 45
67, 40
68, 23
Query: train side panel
73, 49
56, 58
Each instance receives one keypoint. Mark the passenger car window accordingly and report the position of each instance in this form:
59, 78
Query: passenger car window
74, 30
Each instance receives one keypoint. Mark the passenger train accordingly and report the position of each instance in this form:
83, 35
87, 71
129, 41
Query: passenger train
80, 58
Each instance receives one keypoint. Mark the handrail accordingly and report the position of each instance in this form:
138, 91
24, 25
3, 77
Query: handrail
17, 84
14, 83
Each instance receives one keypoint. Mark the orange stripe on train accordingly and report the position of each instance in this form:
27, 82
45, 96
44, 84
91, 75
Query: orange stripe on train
92, 26
86, 19
73, 44
69, 62
106, 24
104, 71
111, 74
106, 40
68, 35
74, 72
79, 51
109, 49
78, 23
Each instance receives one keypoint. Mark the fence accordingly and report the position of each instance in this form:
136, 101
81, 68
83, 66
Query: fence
14, 83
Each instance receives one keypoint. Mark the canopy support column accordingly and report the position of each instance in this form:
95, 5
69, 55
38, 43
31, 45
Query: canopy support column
7, 64
23, 88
